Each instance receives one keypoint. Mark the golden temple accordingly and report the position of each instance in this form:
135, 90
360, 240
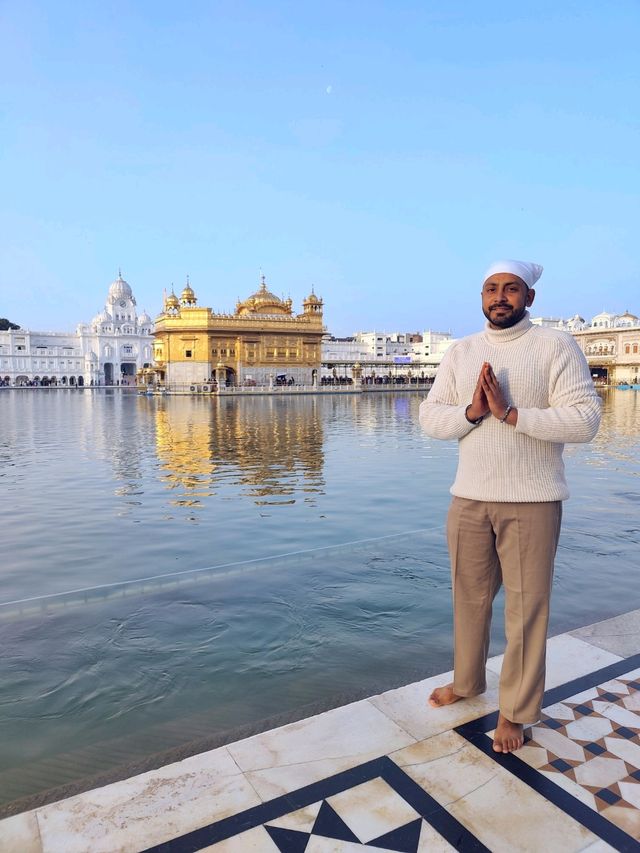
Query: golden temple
263, 342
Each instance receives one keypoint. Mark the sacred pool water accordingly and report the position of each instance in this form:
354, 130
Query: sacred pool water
173, 568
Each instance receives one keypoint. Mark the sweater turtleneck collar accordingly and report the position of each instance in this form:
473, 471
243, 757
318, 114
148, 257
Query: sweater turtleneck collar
503, 336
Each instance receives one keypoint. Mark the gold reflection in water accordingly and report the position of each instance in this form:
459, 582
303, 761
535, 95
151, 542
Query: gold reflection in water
183, 441
271, 447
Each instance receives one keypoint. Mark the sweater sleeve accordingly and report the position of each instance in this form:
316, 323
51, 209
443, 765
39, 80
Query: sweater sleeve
442, 415
573, 414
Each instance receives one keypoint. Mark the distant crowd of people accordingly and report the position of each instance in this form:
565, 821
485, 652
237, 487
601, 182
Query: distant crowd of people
401, 379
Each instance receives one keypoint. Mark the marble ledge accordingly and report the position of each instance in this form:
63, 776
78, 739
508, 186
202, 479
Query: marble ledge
147, 809
619, 635
20, 834
408, 706
284, 759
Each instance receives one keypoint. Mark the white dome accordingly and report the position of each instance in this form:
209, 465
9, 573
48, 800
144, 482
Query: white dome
120, 289
604, 320
102, 318
144, 319
576, 322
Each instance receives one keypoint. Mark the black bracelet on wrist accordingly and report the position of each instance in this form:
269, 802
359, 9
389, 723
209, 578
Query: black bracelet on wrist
506, 414
477, 420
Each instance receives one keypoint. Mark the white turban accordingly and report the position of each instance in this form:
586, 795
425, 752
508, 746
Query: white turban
529, 273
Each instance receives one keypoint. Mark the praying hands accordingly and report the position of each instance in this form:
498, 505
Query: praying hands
488, 396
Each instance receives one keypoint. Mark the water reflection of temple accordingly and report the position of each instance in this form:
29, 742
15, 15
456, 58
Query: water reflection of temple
273, 446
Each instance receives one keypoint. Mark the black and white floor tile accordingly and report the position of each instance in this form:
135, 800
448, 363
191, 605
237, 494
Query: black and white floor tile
374, 806
584, 754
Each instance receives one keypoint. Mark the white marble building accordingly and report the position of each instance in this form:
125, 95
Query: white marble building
610, 342
385, 353
107, 351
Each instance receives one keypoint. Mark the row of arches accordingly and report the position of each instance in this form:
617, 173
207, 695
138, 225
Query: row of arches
45, 381
630, 348
600, 349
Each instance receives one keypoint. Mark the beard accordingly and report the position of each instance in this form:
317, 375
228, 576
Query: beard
506, 320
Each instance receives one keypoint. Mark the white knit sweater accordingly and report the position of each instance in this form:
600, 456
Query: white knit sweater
544, 374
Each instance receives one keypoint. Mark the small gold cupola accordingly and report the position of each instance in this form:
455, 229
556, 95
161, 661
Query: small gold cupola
312, 304
171, 303
188, 297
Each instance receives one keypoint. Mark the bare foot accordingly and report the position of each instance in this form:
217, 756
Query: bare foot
442, 696
509, 736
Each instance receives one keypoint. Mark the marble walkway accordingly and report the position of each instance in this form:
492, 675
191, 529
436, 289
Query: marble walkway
390, 774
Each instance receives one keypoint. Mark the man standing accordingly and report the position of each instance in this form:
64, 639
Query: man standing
512, 395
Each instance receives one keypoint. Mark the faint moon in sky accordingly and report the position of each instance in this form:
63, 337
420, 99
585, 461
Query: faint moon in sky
329, 90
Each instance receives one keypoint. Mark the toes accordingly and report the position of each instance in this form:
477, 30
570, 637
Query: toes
437, 699
507, 744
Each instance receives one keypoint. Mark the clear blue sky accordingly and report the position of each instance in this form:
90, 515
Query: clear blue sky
384, 152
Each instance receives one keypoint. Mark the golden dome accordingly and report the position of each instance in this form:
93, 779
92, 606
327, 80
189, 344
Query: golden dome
188, 297
312, 304
171, 302
263, 302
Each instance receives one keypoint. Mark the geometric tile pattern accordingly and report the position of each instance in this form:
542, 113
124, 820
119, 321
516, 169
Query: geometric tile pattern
375, 806
589, 744
339, 820
584, 753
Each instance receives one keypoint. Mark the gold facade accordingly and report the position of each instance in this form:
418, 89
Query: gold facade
261, 340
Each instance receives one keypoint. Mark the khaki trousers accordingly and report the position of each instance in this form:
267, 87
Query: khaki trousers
513, 544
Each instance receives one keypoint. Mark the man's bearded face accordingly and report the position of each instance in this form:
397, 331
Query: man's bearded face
505, 298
